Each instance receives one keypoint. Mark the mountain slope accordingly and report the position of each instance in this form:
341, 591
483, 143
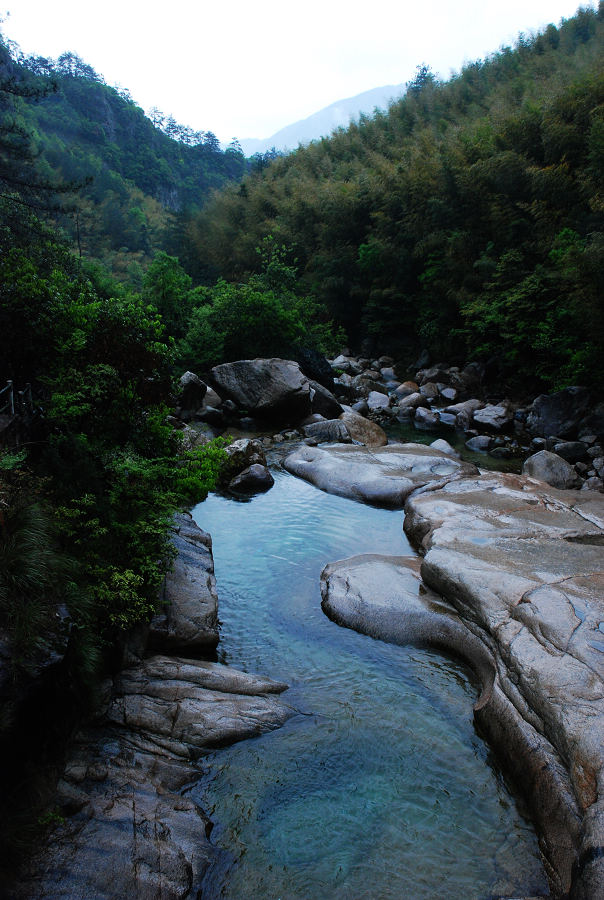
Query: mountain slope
326, 120
135, 175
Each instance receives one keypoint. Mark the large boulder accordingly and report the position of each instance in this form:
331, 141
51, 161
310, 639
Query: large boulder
558, 414
273, 389
383, 476
522, 565
551, 468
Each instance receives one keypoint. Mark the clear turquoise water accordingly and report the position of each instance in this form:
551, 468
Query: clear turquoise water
381, 788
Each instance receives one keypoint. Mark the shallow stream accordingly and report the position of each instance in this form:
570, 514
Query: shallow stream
381, 788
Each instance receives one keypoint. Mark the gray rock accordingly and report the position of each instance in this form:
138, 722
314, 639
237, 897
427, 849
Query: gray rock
192, 391
412, 401
496, 417
363, 431
241, 454
522, 565
331, 430
479, 443
129, 829
377, 400
572, 451
464, 412
189, 617
267, 388
254, 480
550, 468
429, 390
558, 413
361, 407
426, 419
594, 483
406, 388
323, 401
382, 476
444, 447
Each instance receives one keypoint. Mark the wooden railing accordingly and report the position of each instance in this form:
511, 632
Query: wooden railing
16, 402
9, 404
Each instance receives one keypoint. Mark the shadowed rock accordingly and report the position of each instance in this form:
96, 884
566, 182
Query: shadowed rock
189, 617
128, 830
267, 388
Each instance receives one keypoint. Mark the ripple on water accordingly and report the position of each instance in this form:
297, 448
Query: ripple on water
382, 789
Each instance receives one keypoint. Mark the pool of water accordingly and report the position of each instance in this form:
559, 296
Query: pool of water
380, 788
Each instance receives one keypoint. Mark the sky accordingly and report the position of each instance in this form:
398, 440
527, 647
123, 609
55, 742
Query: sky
246, 69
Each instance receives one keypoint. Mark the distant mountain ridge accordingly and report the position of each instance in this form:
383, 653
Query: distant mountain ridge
326, 120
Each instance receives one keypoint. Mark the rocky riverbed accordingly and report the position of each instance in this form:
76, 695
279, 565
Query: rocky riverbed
511, 579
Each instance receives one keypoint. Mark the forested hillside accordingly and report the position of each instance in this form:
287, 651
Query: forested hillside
467, 220
137, 179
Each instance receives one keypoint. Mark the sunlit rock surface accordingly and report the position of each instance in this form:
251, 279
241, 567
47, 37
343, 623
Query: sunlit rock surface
382, 476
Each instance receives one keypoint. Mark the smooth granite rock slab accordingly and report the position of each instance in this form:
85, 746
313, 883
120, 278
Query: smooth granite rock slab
384, 597
188, 621
381, 476
523, 564
129, 830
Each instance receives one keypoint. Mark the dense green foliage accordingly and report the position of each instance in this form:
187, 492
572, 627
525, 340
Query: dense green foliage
140, 180
86, 506
263, 317
467, 219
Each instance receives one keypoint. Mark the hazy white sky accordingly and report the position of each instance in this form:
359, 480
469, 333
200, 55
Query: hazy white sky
246, 69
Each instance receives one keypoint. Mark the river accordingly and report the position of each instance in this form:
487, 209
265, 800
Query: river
381, 787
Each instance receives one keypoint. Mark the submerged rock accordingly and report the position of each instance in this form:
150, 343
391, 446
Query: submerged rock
383, 476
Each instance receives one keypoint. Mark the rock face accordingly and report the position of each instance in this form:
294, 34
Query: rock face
523, 565
383, 477
189, 619
383, 596
267, 388
129, 831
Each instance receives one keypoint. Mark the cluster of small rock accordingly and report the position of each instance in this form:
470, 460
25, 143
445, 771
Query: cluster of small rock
560, 436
